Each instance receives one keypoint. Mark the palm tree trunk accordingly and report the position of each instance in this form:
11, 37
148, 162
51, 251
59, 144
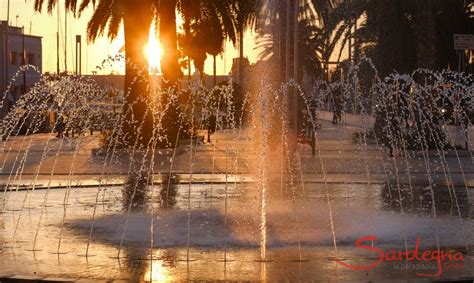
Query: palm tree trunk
199, 60
171, 73
138, 121
426, 35
168, 38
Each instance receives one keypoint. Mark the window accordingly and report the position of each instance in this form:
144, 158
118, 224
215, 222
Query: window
31, 59
14, 58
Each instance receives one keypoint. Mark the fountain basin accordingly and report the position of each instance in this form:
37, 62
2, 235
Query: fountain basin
359, 210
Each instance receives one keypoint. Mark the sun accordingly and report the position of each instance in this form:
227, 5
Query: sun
153, 52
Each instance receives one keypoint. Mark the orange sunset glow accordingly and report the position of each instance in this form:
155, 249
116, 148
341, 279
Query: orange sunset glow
236, 140
93, 53
153, 51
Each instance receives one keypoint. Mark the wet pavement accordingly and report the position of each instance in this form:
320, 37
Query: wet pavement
64, 215
153, 238
27, 158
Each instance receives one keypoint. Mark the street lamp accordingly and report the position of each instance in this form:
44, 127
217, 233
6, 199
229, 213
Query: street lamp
7, 55
292, 14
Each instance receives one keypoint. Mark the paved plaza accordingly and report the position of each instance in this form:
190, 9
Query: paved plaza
44, 160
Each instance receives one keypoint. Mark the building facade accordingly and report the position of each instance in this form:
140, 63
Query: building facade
18, 49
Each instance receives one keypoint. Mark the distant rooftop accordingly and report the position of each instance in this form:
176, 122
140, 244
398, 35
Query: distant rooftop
15, 30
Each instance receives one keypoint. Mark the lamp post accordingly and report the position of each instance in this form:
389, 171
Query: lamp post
288, 40
65, 39
23, 58
78, 54
57, 41
7, 56
295, 63
291, 55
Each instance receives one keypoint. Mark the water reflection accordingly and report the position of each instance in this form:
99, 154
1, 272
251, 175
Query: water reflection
157, 273
351, 203
159, 268
169, 190
452, 201
135, 192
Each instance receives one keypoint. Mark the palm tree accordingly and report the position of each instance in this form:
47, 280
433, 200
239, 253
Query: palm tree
137, 123
169, 40
399, 35
206, 24
404, 35
339, 21
137, 18
207, 37
436, 21
247, 16
319, 30
425, 33
206, 28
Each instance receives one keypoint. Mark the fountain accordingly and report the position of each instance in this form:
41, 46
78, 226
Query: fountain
250, 204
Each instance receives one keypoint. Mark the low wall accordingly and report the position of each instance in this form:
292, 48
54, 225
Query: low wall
349, 119
455, 133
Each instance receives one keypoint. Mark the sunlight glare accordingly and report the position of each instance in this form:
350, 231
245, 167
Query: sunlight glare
153, 52
157, 273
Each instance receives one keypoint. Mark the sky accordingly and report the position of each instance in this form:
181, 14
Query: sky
93, 54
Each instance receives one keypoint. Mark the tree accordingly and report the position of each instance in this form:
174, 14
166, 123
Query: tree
206, 25
208, 38
405, 35
395, 44
137, 18
398, 35
206, 29
169, 40
318, 33
137, 123
436, 29
247, 15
